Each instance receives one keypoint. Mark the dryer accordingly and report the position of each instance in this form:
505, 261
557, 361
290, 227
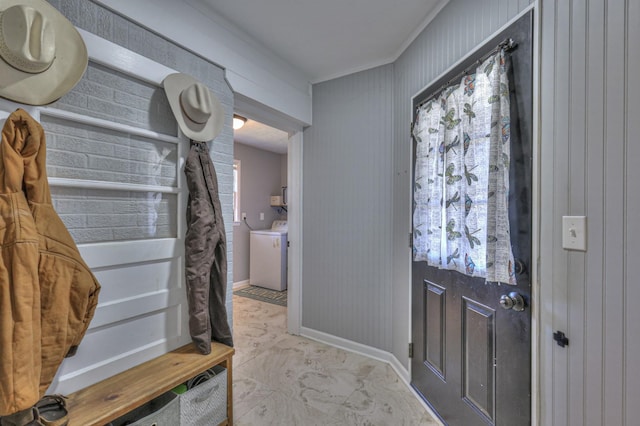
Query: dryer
268, 256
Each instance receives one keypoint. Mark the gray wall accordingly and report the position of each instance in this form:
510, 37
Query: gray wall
357, 186
261, 176
590, 153
346, 284
112, 96
456, 30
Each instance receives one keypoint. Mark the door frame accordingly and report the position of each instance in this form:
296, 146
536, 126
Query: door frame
294, 276
254, 110
536, 355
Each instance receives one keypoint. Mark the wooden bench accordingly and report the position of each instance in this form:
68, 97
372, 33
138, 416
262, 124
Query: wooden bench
111, 398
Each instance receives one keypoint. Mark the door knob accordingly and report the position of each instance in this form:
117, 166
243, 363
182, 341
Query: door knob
512, 301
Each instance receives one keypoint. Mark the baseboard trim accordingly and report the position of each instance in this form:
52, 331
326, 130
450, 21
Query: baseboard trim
369, 352
239, 284
359, 348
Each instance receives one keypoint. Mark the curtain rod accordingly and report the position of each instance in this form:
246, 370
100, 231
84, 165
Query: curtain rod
506, 44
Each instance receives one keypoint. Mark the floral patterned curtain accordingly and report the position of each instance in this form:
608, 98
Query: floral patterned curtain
461, 176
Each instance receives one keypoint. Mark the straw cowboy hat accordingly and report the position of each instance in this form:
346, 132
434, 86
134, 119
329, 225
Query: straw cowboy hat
42, 54
198, 112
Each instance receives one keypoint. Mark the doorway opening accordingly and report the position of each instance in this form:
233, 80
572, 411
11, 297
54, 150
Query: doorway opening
260, 208
268, 155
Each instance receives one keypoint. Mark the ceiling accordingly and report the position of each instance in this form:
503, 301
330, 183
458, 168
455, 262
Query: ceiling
261, 136
330, 38
325, 39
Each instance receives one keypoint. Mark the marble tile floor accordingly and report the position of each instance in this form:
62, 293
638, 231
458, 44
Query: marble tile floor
280, 379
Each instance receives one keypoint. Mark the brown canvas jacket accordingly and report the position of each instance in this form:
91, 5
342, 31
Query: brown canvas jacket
48, 294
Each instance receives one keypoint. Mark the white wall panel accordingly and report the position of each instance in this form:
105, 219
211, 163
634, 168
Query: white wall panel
148, 278
631, 343
589, 130
138, 340
576, 157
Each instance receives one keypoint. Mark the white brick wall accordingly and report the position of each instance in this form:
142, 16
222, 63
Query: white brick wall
99, 216
77, 151
107, 94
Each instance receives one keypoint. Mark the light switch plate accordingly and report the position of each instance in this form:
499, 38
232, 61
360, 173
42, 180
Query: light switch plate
574, 233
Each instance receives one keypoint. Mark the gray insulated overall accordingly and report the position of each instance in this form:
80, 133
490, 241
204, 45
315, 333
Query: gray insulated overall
205, 253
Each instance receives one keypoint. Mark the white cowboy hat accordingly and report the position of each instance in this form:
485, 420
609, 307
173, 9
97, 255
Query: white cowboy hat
42, 55
198, 112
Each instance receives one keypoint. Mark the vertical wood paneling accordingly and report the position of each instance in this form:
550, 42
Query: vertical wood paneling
552, 356
577, 151
458, 29
631, 355
593, 409
614, 212
347, 210
587, 48
547, 45
560, 199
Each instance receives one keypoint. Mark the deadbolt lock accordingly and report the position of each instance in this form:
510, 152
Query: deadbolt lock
513, 301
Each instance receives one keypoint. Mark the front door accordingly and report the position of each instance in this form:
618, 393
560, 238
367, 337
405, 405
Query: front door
472, 356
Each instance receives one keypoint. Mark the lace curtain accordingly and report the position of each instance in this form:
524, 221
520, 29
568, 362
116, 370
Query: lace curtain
461, 176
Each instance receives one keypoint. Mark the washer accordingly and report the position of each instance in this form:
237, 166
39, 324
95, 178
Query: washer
268, 256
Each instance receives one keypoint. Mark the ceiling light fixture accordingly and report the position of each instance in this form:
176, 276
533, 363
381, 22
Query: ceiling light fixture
238, 121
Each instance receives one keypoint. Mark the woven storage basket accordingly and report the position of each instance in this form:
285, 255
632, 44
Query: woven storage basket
205, 404
161, 411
